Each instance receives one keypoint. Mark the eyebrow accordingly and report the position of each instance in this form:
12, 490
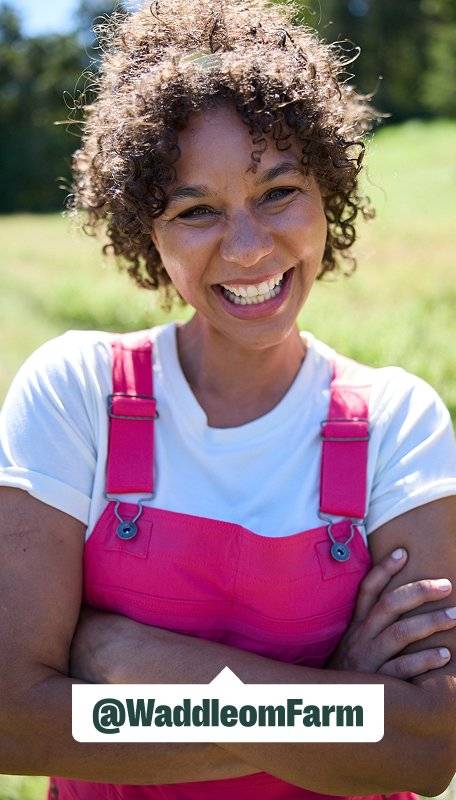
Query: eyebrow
284, 168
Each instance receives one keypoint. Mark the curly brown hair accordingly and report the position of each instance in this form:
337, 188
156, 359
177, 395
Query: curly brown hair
176, 57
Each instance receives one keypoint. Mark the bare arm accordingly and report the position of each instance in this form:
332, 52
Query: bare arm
419, 720
37, 690
411, 717
40, 594
428, 534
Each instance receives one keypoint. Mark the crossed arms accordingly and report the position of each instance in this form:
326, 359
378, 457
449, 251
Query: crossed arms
40, 590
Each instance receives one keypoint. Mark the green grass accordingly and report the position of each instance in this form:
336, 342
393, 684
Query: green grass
14, 787
399, 308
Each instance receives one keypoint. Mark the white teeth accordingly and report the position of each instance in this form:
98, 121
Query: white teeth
250, 297
253, 290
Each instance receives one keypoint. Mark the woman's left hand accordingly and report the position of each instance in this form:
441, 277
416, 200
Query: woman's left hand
379, 632
371, 644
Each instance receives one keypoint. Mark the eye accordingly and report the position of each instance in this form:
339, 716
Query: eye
196, 212
280, 193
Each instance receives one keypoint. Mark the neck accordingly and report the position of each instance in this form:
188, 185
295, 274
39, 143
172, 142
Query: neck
234, 384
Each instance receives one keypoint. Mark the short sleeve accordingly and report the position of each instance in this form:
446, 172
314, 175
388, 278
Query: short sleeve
416, 455
47, 432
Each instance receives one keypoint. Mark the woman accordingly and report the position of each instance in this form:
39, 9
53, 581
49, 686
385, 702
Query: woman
210, 523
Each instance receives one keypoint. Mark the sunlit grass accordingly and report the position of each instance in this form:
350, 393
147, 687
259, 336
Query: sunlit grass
16, 787
398, 308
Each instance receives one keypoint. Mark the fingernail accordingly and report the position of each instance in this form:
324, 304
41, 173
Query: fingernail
398, 554
444, 652
451, 612
443, 584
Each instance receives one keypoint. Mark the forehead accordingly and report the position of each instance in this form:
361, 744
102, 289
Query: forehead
216, 146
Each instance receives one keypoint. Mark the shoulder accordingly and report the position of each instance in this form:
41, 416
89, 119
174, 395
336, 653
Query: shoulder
70, 350
412, 448
60, 386
404, 409
400, 399
71, 362
76, 357
394, 393
390, 387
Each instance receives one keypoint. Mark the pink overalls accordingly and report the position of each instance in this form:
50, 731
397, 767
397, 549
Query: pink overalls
289, 598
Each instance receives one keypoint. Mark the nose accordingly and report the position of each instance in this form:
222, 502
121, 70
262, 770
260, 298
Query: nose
245, 242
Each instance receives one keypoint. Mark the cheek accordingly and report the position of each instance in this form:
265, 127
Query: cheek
185, 254
306, 228
176, 245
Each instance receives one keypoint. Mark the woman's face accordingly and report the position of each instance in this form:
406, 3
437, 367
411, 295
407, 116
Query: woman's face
242, 248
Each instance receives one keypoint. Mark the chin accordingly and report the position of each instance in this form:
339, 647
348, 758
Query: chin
260, 338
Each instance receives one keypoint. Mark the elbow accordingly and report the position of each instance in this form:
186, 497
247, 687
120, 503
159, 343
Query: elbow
12, 734
24, 731
438, 765
428, 774
437, 781
431, 754
445, 762
441, 742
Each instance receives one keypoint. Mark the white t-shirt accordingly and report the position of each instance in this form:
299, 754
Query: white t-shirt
263, 475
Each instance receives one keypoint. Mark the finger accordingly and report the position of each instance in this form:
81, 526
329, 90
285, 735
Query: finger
395, 603
376, 580
413, 664
406, 631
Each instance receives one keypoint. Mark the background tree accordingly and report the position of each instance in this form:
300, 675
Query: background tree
34, 153
439, 86
408, 60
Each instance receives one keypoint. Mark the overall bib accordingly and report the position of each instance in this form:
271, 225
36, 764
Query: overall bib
288, 598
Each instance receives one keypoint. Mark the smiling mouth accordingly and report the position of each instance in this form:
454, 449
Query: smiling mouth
248, 295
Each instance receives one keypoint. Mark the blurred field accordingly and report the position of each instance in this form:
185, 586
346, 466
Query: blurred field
399, 308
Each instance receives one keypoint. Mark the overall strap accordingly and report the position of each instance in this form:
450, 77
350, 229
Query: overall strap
345, 440
132, 412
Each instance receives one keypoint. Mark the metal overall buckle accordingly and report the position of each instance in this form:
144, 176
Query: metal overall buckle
340, 551
344, 438
127, 529
133, 397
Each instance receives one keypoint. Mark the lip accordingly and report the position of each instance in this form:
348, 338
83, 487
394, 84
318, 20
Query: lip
255, 282
259, 310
